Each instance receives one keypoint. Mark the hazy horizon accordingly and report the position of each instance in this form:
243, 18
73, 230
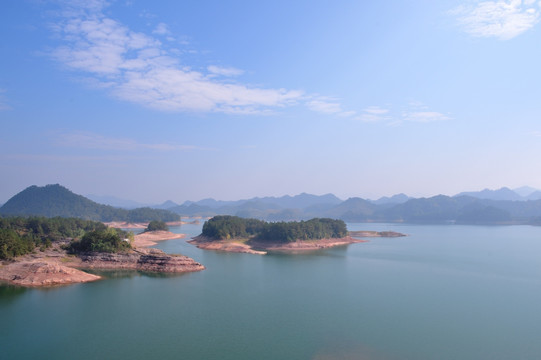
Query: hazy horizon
234, 100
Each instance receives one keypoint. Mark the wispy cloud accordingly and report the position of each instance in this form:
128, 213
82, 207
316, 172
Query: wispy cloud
414, 112
327, 105
88, 140
161, 29
3, 101
224, 71
500, 19
137, 67
374, 114
424, 116
419, 112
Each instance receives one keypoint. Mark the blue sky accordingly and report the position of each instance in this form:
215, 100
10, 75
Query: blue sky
185, 100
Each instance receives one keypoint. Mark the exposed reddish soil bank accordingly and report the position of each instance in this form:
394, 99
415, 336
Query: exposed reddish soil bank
55, 267
151, 238
43, 273
251, 247
233, 245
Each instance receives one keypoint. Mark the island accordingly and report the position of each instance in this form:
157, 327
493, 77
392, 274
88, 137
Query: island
235, 234
38, 251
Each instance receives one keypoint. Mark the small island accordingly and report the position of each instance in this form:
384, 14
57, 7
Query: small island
43, 252
235, 234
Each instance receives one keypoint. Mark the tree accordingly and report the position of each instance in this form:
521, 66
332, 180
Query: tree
156, 225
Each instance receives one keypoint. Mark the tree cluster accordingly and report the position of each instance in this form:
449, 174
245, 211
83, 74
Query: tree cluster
21, 235
228, 227
109, 240
314, 229
156, 225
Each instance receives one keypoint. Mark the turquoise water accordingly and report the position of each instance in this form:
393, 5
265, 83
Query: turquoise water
444, 292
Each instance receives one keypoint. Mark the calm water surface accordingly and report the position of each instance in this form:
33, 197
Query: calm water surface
444, 292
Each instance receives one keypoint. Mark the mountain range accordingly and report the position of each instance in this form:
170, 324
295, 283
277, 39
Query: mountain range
502, 206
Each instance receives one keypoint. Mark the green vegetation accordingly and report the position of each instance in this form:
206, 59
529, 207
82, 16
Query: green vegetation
227, 227
109, 240
56, 200
156, 225
20, 235
12, 244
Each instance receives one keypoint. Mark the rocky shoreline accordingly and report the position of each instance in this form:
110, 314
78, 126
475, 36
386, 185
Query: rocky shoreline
262, 248
55, 266
152, 260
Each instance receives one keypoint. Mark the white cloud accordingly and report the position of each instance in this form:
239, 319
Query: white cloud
3, 101
217, 70
415, 112
424, 116
162, 29
500, 19
324, 106
373, 114
327, 105
376, 110
87, 140
138, 68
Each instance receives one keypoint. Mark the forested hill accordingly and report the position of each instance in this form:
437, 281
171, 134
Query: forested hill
229, 227
56, 200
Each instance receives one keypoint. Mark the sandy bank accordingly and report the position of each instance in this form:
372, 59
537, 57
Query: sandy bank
151, 238
235, 245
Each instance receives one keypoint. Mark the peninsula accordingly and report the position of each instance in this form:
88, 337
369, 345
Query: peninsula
40, 252
235, 234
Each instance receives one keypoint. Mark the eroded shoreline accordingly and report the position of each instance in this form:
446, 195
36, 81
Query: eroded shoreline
262, 248
55, 266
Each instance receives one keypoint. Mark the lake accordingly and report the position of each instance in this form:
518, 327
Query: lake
443, 292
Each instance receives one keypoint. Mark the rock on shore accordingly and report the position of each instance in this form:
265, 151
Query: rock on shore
144, 260
41, 273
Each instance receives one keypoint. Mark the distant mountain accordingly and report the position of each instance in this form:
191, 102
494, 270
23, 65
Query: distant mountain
166, 205
298, 207
353, 209
525, 191
500, 194
301, 201
395, 199
437, 209
114, 201
216, 204
56, 200
193, 210
536, 195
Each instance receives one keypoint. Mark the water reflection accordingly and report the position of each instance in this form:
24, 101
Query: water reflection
8, 292
126, 274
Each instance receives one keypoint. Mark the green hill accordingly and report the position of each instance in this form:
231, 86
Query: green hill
56, 200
